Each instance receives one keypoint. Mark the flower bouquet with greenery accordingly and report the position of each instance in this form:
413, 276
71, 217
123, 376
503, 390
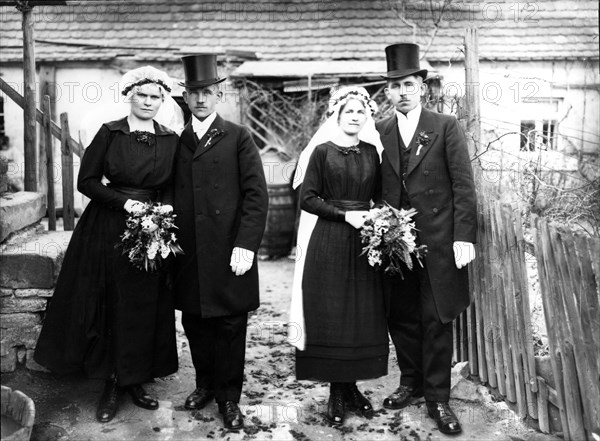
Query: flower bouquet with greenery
149, 236
390, 237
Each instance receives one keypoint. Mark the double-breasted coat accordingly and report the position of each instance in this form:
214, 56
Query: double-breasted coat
439, 183
221, 201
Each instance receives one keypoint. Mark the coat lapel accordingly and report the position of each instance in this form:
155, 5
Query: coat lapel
427, 125
210, 140
188, 137
390, 141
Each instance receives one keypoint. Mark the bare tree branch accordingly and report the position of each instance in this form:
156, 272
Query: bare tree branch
401, 14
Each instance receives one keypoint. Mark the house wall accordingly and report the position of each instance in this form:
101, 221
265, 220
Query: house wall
564, 91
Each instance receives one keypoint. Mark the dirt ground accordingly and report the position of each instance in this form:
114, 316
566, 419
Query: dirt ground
277, 407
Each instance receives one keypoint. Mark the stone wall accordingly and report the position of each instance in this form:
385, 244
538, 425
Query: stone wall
29, 266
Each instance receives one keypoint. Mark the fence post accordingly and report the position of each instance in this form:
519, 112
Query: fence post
49, 163
29, 108
542, 405
67, 174
502, 354
472, 92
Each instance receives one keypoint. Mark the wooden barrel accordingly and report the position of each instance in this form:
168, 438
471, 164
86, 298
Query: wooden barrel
18, 414
281, 218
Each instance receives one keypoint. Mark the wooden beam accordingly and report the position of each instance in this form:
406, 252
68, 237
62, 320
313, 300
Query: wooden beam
47, 87
49, 160
20, 101
472, 92
29, 108
33, 3
67, 175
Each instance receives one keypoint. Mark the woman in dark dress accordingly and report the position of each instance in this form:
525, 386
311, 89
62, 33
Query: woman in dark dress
107, 318
342, 296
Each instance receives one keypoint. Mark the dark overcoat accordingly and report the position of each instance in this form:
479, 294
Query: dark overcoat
221, 201
439, 182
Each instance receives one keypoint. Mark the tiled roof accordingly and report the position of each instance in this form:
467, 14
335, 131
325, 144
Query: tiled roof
161, 30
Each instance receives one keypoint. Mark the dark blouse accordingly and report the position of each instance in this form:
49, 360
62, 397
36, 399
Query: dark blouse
335, 173
117, 154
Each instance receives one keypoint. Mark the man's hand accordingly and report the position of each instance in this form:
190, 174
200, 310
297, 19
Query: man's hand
241, 260
356, 218
132, 206
464, 252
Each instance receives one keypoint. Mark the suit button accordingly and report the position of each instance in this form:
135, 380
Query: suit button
430, 192
435, 211
216, 185
215, 160
385, 192
182, 186
426, 172
217, 211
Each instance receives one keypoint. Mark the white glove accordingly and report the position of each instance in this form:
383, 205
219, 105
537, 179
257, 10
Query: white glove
132, 206
166, 208
356, 218
241, 260
464, 252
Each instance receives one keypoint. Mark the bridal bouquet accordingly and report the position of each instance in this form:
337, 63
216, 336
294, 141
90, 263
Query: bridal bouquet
149, 236
389, 236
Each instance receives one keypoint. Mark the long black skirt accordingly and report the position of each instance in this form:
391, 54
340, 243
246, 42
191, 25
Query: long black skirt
344, 309
105, 315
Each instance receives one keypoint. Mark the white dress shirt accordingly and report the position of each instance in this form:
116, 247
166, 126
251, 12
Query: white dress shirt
201, 127
407, 124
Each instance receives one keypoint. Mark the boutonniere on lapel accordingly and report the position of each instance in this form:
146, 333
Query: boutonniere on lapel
422, 141
212, 134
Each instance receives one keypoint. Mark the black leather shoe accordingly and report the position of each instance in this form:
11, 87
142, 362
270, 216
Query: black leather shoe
402, 397
232, 415
109, 401
141, 398
199, 398
444, 417
357, 401
336, 408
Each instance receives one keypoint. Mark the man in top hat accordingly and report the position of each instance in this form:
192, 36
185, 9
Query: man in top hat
426, 166
220, 199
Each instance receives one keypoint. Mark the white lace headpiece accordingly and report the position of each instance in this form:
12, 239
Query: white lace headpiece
145, 75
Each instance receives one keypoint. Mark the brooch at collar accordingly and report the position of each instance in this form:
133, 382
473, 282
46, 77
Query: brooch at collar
144, 137
347, 150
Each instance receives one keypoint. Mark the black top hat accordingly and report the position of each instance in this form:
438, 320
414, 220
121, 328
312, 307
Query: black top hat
403, 60
200, 70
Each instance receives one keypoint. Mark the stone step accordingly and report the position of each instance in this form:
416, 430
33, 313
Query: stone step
35, 262
19, 210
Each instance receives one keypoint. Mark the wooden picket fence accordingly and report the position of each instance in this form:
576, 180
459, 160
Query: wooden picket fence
68, 146
569, 276
495, 333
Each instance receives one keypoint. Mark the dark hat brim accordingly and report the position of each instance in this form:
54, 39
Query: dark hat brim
395, 74
202, 83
